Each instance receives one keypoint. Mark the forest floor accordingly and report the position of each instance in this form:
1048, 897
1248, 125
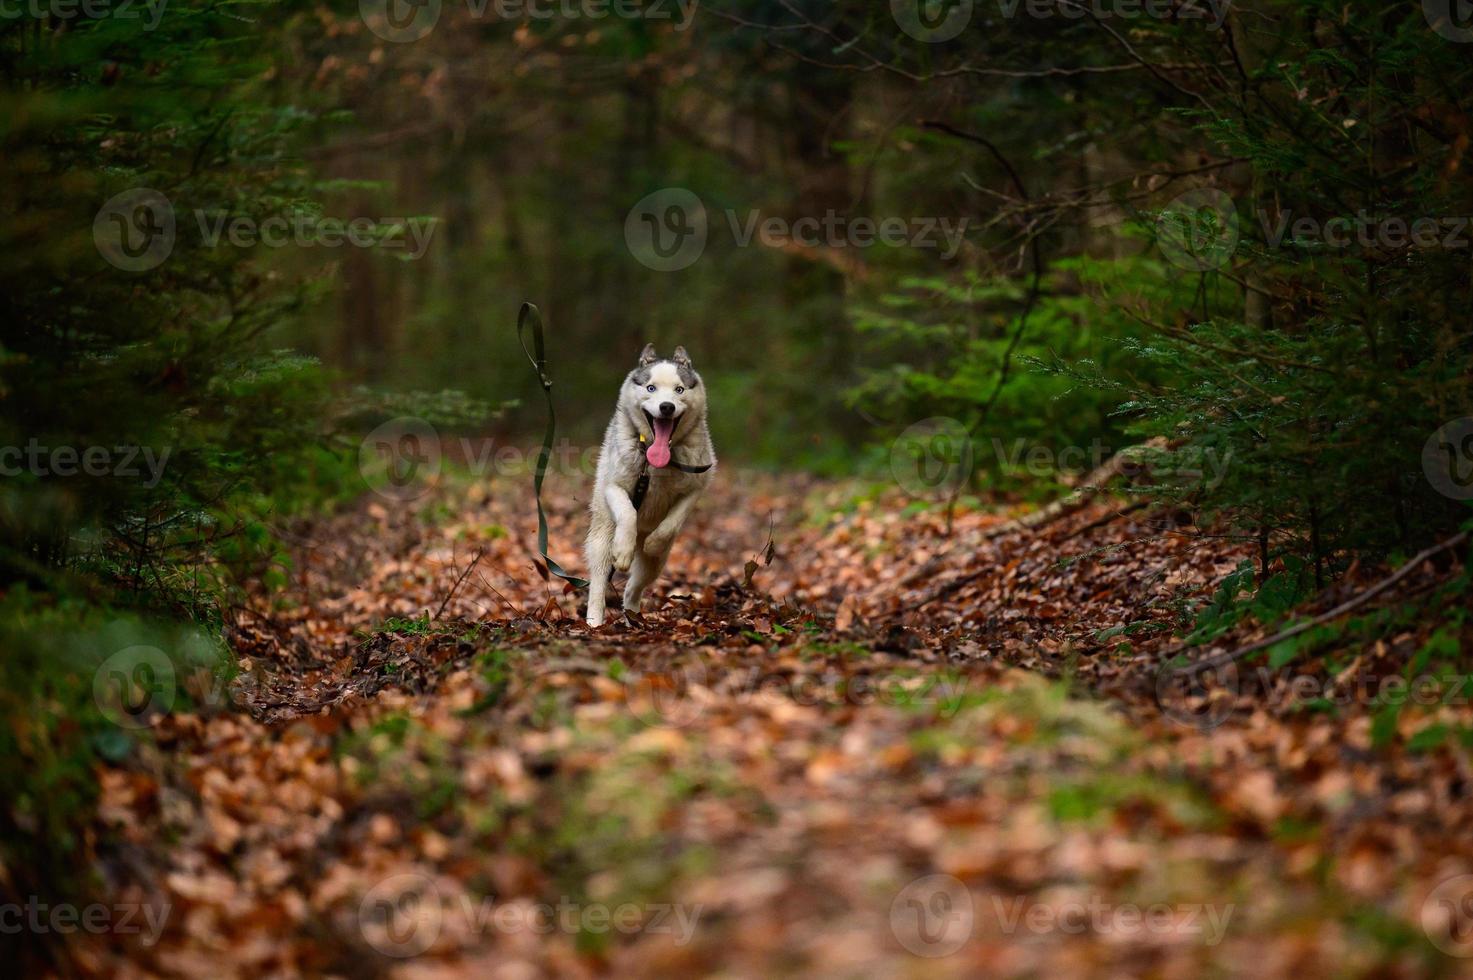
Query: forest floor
875, 750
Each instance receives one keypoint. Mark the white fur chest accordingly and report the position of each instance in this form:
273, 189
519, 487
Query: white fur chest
666, 486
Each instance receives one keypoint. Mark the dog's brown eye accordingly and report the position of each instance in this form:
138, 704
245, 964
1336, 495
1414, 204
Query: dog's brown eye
650, 388
679, 390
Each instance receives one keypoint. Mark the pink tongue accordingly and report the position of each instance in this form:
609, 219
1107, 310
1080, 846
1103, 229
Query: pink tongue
659, 452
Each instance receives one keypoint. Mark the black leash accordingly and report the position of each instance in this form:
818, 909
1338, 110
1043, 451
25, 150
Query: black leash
531, 315
642, 485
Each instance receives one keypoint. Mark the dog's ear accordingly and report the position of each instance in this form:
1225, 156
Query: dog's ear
648, 356
681, 357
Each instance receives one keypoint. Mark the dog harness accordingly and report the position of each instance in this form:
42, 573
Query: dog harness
642, 485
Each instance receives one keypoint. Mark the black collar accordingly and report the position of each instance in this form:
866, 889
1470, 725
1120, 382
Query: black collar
642, 485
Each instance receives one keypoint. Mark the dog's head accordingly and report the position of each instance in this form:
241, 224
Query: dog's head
665, 399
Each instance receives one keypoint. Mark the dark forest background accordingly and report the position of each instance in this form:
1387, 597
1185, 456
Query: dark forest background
1066, 142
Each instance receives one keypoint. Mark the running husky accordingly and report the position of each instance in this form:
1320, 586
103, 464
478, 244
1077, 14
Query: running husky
656, 459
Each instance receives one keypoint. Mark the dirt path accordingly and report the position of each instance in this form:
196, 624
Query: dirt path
893, 753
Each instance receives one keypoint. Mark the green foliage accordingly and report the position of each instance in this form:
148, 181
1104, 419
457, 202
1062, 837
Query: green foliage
1325, 378
151, 433
946, 342
1297, 378
61, 660
1236, 598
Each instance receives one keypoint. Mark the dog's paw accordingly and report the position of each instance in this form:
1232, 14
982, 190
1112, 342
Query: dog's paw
655, 545
623, 553
595, 621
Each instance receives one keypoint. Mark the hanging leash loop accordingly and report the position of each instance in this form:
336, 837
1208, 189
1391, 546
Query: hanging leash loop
531, 317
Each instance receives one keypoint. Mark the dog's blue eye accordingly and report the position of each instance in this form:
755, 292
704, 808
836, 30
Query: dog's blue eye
650, 388
679, 390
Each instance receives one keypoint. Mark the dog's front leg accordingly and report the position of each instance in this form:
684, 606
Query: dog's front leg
600, 565
626, 526
659, 540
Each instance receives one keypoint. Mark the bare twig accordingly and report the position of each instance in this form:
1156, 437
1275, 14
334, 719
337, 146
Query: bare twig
456, 587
